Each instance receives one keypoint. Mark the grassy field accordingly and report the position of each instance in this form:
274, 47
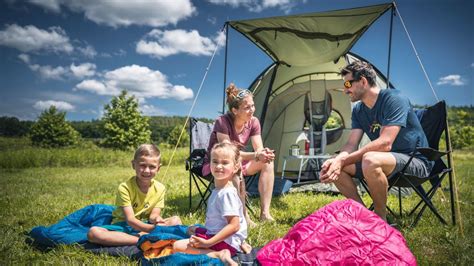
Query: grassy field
38, 194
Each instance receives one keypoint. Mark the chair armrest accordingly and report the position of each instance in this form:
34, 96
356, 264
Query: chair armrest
431, 154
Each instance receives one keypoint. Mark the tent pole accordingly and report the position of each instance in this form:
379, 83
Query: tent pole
390, 45
267, 97
311, 129
226, 26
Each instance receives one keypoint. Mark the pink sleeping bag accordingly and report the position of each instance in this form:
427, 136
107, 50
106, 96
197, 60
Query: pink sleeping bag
341, 233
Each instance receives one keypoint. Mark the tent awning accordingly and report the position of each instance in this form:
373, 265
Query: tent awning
306, 39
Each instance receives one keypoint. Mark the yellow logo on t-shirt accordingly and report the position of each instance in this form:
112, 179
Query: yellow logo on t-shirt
374, 127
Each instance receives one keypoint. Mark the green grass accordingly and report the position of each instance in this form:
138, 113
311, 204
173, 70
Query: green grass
32, 196
18, 153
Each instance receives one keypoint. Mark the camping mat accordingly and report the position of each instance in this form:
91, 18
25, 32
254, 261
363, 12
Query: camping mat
247, 259
332, 189
132, 251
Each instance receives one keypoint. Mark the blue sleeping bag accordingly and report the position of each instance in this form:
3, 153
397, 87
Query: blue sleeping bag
73, 228
174, 232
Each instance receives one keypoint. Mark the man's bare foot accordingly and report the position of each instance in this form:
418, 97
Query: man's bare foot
246, 248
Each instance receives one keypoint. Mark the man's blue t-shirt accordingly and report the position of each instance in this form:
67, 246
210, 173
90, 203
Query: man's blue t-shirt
392, 109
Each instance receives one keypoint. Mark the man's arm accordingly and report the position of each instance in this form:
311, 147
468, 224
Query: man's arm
334, 165
383, 143
331, 170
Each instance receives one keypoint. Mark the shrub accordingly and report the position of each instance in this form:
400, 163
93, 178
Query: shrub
174, 137
124, 126
52, 130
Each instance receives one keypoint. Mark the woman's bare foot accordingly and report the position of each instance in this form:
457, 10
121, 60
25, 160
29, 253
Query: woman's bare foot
266, 218
250, 223
246, 248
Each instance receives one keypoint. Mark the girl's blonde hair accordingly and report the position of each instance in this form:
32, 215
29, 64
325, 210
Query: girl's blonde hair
235, 150
233, 100
147, 150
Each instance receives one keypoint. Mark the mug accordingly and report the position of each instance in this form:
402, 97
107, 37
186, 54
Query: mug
294, 150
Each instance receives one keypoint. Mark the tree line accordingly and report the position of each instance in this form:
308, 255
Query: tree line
124, 127
121, 127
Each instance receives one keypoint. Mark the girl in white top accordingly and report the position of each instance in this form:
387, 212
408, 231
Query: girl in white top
226, 228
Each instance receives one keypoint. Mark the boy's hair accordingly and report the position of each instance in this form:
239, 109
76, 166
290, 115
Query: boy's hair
235, 96
147, 150
360, 69
235, 150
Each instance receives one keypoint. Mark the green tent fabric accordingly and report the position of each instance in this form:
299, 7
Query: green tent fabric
309, 39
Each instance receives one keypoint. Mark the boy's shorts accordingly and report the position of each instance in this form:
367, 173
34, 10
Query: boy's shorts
121, 227
416, 167
202, 233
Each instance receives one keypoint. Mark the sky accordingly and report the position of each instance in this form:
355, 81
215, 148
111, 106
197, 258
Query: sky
78, 54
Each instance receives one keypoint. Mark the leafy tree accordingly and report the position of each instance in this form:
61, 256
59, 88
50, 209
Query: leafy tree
174, 136
13, 127
124, 126
462, 133
89, 129
52, 130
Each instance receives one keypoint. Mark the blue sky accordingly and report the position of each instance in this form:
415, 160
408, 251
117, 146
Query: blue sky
78, 54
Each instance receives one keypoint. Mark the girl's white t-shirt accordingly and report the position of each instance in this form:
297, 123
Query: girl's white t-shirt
225, 202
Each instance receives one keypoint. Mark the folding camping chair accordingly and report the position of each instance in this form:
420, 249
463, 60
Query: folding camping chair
200, 133
433, 119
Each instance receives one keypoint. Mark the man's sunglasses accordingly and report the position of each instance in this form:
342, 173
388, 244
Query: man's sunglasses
348, 83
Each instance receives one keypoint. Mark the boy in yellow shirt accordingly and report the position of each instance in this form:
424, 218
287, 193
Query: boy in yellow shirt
139, 202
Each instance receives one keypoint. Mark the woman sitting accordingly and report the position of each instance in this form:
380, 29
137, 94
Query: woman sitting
239, 126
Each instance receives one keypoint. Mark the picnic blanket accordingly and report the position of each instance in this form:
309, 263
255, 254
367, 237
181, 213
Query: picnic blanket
341, 233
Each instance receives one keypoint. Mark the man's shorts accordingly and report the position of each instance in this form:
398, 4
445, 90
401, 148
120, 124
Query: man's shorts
416, 167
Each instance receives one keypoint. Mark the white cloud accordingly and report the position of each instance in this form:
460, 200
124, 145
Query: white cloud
95, 86
159, 44
258, 5
472, 64
154, 13
50, 72
32, 39
64, 96
83, 70
61, 105
59, 72
452, 80
212, 20
139, 81
151, 110
87, 51
51, 5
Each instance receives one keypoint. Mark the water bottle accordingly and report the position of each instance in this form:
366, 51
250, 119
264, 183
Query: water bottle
306, 147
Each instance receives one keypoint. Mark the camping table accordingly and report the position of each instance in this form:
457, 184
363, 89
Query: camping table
303, 161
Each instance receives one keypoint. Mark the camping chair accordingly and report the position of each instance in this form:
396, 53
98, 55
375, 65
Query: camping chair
433, 119
200, 133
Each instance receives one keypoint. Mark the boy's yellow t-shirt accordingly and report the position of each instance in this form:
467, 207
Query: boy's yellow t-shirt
129, 194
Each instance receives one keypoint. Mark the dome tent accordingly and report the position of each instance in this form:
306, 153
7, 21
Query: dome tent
308, 52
